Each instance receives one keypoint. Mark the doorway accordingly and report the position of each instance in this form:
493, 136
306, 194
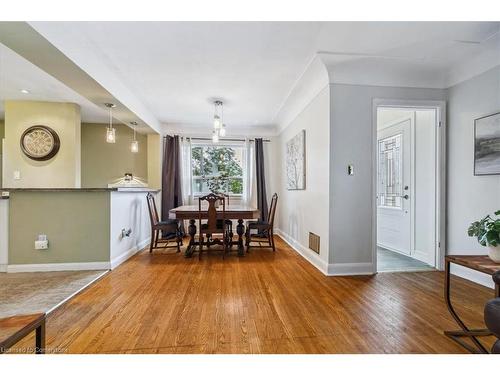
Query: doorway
407, 188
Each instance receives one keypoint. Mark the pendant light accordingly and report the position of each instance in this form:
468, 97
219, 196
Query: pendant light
134, 146
215, 136
110, 131
219, 125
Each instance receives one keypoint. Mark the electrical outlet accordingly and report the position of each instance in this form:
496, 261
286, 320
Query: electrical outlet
17, 175
126, 232
41, 245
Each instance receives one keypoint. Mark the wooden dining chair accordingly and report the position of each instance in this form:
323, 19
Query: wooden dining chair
213, 225
170, 230
229, 223
265, 229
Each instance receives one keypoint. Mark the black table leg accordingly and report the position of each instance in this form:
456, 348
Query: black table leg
465, 332
40, 339
192, 243
240, 229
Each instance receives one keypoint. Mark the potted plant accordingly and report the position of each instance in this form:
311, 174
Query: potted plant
487, 232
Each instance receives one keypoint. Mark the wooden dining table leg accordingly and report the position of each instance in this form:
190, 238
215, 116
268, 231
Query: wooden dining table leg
240, 229
192, 234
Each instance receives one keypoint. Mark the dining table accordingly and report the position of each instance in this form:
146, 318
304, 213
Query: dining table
232, 212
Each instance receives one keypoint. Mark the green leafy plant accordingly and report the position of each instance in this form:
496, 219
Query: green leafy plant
487, 230
217, 184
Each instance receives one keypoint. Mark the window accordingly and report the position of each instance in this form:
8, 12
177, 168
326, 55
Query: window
217, 168
390, 171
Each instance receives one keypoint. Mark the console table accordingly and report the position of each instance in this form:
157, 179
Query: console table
481, 264
15, 328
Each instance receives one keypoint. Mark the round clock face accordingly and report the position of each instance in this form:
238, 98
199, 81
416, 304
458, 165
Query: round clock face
40, 142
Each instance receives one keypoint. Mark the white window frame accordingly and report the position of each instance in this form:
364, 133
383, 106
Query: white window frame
221, 144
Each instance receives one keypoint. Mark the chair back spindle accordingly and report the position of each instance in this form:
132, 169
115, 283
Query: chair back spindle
211, 199
153, 212
272, 209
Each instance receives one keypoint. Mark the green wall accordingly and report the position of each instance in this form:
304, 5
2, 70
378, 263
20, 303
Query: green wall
76, 224
103, 163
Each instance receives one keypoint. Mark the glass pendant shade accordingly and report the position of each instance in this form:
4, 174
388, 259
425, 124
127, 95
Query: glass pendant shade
222, 131
216, 122
215, 136
110, 135
134, 146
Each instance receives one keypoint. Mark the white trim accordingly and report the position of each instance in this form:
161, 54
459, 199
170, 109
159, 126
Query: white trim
471, 275
350, 269
46, 267
116, 261
440, 106
3, 267
332, 269
307, 254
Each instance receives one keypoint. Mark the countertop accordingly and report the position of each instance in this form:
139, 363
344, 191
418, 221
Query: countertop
4, 192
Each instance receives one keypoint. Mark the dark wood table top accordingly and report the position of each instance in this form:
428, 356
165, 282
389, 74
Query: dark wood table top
481, 263
14, 328
232, 212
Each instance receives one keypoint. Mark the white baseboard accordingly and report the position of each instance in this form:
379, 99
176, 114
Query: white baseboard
306, 253
47, 267
116, 261
3, 268
471, 275
328, 269
350, 269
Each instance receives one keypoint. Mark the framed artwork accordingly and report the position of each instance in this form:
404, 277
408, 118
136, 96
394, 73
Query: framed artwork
296, 162
487, 145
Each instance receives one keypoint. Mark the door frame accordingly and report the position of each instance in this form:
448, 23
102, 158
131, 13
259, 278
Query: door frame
440, 107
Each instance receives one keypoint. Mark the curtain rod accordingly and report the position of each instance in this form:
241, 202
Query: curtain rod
224, 139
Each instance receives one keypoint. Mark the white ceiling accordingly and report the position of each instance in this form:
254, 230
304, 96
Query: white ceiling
17, 74
177, 69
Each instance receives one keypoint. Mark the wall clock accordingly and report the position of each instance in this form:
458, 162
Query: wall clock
40, 143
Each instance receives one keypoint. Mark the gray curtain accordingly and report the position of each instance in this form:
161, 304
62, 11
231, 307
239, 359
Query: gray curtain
261, 179
171, 185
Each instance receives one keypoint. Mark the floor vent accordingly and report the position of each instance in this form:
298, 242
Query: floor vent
314, 242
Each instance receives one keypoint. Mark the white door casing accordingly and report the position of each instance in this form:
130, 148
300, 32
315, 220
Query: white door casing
395, 193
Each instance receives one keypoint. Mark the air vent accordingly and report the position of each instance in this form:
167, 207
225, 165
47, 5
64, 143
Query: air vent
314, 242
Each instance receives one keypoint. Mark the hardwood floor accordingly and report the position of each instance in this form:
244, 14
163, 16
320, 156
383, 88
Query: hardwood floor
263, 303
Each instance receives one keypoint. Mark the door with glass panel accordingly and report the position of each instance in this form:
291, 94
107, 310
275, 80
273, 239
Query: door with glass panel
394, 195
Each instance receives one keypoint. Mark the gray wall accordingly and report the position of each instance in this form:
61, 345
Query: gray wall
304, 211
351, 199
469, 197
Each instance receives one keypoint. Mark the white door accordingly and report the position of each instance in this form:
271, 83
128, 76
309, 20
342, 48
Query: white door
394, 196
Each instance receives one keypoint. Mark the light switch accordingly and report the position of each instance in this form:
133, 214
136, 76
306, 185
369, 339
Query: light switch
17, 175
350, 170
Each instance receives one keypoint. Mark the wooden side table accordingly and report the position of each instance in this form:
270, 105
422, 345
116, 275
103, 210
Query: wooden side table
15, 328
481, 264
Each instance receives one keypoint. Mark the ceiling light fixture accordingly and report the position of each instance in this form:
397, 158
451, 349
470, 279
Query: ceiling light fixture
134, 146
110, 131
219, 125
24, 91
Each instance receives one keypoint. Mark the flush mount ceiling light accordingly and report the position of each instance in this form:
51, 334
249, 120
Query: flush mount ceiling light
134, 146
24, 91
110, 131
219, 125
